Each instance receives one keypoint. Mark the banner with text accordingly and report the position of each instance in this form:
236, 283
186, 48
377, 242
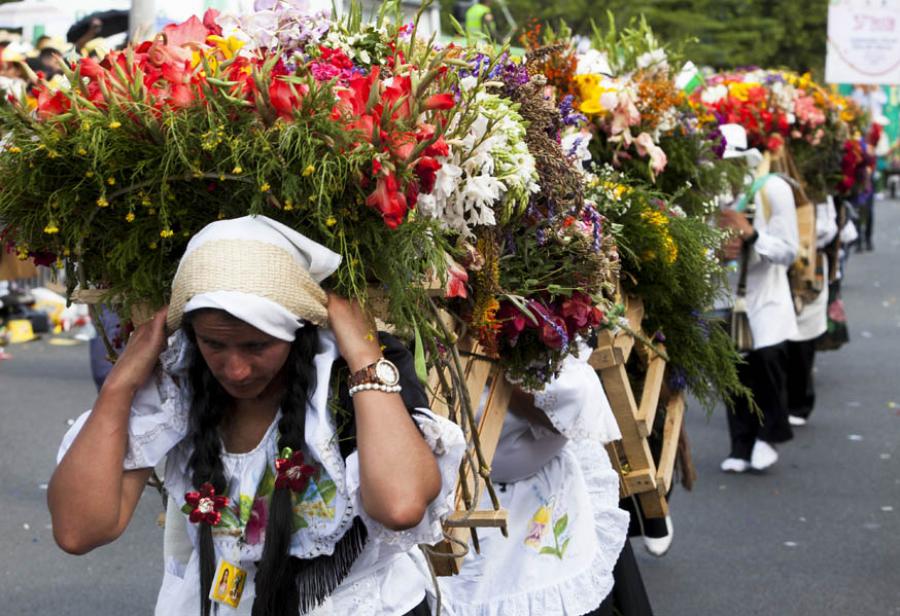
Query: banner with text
863, 42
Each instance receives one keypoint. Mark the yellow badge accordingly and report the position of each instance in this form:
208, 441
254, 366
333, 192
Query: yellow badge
228, 584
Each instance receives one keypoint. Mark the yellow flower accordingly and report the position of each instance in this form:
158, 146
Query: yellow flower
309, 171
111, 181
166, 233
288, 205
115, 124
129, 217
102, 202
330, 221
655, 217
264, 187
145, 201
671, 249
228, 46
82, 152
89, 174
237, 171
52, 154
51, 228
741, 90
15, 149
85, 125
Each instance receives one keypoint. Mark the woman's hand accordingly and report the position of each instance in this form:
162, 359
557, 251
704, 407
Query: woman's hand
136, 363
355, 332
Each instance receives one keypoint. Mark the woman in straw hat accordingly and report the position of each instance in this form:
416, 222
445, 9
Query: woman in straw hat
310, 492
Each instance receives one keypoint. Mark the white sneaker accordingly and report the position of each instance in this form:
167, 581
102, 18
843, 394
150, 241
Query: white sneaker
763, 456
658, 546
796, 420
735, 465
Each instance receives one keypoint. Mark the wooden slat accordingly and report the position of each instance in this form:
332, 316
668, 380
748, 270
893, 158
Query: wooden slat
637, 450
639, 481
653, 504
489, 427
653, 381
483, 518
671, 435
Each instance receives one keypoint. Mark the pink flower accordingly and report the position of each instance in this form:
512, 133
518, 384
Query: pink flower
255, 531
324, 72
191, 31
456, 279
645, 146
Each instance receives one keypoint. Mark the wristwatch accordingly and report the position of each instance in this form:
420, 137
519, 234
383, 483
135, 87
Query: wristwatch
381, 375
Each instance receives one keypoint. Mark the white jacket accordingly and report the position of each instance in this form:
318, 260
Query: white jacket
769, 303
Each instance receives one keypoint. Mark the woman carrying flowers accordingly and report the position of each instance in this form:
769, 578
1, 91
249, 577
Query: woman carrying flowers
557, 483
309, 492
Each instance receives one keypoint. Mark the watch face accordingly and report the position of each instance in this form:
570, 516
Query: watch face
387, 372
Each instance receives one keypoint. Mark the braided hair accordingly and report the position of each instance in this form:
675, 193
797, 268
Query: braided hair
284, 584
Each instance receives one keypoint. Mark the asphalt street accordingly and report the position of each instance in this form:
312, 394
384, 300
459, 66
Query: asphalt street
818, 534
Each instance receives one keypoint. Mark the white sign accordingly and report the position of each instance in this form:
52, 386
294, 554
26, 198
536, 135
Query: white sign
863, 42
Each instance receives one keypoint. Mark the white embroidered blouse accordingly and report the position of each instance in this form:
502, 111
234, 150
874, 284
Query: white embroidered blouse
382, 581
562, 495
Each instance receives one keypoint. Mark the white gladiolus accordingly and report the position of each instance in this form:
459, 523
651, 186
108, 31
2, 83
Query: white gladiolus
488, 166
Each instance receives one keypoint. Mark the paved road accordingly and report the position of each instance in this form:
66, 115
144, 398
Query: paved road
819, 534
41, 388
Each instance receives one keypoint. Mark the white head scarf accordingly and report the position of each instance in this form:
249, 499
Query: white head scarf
257, 270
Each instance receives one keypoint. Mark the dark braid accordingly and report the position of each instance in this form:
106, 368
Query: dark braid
276, 587
208, 407
285, 585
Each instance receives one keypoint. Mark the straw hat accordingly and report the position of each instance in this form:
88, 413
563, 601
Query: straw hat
256, 269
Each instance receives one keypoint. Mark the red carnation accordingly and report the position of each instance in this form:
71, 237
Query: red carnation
292, 472
206, 505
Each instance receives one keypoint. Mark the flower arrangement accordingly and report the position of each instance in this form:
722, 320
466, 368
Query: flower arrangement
669, 259
656, 168
114, 174
417, 163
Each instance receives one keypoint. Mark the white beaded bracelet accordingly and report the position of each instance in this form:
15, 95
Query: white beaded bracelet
388, 389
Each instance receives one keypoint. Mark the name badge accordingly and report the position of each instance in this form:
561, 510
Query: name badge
228, 584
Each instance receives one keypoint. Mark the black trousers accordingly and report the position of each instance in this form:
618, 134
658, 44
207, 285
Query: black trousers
801, 391
628, 596
765, 374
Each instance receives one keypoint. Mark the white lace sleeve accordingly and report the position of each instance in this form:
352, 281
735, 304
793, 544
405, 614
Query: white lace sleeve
446, 441
158, 422
576, 404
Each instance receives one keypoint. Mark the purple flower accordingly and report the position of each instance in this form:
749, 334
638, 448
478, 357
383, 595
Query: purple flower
718, 139
677, 380
570, 116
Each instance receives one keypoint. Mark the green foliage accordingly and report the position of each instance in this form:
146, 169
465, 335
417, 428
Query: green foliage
669, 261
721, 33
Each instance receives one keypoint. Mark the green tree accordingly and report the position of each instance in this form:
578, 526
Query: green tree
722, 33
